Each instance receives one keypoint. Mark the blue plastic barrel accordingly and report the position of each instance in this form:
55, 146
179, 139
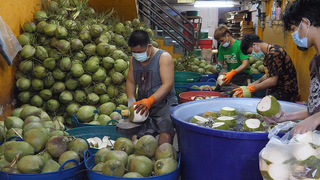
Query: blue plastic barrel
92, 175
206, 77
212, 154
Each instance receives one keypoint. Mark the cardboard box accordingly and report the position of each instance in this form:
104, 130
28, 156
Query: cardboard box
246, 24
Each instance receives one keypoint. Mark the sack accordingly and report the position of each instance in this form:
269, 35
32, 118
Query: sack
9, 45
287, 158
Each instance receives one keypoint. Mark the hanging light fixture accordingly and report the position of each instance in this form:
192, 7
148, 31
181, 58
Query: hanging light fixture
213, 4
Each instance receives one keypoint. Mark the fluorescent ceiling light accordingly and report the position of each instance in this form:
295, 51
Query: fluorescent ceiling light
213, 4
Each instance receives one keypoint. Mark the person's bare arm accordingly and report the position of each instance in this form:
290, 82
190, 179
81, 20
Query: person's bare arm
243, 66
267, 83
167, 76
130, 83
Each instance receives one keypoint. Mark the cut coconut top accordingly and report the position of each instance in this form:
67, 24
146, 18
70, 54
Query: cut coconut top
225, 118
217, 124
201, 119
265, 104
228, 109
304, 151
253, 123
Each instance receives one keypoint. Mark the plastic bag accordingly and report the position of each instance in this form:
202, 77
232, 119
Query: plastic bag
9, 45
287, 158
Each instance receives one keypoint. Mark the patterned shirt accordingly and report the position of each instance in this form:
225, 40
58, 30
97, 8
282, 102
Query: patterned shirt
278, 63
314, 91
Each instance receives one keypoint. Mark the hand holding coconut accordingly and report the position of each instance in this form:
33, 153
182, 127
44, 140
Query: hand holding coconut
229, 76
244, 91
144, 105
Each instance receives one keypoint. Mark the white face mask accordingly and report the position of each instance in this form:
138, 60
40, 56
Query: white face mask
301, 42
141, 57
226, 44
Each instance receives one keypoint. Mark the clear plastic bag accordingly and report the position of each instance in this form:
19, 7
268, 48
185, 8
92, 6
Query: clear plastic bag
9, 44
287, 158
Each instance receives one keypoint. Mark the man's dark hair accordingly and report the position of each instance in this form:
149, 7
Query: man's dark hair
139, 37
299, 9
247, 42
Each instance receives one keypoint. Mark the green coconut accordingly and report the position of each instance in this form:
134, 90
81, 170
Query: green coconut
220, 125
146, 146
76, 44
58, 87
199, 120
132, 175
141, 164
67, 155
113, 168
92, 99
100, 88
13, 122
228, 111
249, 115
29, 27
30, 164
26, 66
18, 147
252, 125
23, 39
50, 166
107, 108
80, 96
49, 30
71, 84
29, 111
230, 121
77, 70
52, 105
65, 64
23, 84
100, 75
124, 144
65, 97
245, 91
61, 32
41, 53
269, 106
27, 51
37, 84
36, 100
39, 72
85, 113
89, 49
165, 166
37, 138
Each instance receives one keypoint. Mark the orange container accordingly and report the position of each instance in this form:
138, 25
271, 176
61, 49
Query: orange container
192, 95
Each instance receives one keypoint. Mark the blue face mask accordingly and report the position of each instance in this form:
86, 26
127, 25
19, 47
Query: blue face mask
303, 42
257, 55
141, 57
226, 44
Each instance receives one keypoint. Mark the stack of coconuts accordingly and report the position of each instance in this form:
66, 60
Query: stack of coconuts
43, 145
193, 64
256, 65
142, 158
74, 57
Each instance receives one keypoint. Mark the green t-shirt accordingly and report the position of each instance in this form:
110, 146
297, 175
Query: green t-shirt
233, 56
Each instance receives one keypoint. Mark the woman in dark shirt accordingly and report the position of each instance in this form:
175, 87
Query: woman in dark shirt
302, 17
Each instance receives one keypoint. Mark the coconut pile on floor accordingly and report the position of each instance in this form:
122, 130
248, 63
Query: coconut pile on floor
142, 158
256, 65
193, 64
73, 57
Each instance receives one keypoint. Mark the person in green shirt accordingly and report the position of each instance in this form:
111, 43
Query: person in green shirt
238, 67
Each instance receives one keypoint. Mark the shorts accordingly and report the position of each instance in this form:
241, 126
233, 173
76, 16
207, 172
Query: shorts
159, 120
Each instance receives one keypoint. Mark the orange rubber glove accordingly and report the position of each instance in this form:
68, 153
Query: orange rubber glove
240, 93
144, 104
229, 76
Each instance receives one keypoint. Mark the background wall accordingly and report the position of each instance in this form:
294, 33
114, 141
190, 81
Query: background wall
14, 13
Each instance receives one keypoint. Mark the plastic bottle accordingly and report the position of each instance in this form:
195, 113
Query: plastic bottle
273, 11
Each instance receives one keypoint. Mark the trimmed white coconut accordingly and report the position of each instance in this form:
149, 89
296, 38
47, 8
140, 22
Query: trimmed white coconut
263, 164
219, 79
303, 152
220, 125
279, 171
276, 154
269, 106
252, 125
308, 137
230, 121
136, 117
199, 120
228, 111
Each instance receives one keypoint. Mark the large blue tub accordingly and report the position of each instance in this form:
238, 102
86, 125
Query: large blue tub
216, 154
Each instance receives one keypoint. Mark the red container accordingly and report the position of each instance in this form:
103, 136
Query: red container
191, 95
205, 41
